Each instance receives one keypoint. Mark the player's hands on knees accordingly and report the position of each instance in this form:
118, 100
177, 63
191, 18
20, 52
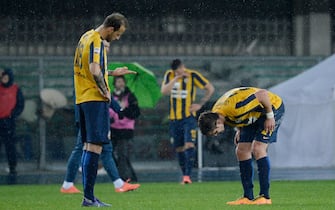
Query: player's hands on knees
237, 137
121, 71
269, 125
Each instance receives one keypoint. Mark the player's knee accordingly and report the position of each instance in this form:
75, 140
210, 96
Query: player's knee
241, 151
243, 154
96, 148
259, 151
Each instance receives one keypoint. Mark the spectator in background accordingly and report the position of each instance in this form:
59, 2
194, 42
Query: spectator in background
181, 84
122, 127
11, 106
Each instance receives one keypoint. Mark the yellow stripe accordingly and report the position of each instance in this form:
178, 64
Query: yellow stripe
189, 99
179, 104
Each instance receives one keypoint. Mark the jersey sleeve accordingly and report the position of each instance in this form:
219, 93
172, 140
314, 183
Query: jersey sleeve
199, 80
96, 51
166, 78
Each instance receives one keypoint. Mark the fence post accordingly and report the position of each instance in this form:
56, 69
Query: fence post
42, 123
200, 155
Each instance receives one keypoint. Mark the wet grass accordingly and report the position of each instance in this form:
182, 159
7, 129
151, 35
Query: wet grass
173, 196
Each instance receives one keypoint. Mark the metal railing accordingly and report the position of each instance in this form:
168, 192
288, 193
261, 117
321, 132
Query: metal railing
35, 73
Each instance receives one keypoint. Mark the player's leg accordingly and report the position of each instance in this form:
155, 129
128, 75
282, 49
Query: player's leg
95, 124
177, 134
263, 164
244, 156
110, 166
243, 153
260, 147
189, 148
108, 162
72, 167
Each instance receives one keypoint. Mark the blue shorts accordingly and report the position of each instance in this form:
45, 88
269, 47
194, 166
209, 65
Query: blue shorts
94, 122
183, 131
256, 130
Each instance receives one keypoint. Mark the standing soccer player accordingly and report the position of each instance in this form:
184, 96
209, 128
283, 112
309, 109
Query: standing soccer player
93, 96
257, 114
181, 84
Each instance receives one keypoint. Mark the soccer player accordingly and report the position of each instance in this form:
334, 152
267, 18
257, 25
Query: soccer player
181, 84
93, 96
106, 158
257, 114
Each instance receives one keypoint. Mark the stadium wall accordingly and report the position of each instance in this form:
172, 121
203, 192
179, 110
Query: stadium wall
34, 73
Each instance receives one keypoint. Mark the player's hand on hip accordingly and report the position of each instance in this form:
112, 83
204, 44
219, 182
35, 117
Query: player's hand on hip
121, 71
269, 125
195, 107
108, 96
237, 137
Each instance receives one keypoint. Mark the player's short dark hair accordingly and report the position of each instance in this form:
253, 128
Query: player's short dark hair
116, 20
207, 122
175, 64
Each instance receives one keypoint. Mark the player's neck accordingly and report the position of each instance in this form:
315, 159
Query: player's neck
101, 31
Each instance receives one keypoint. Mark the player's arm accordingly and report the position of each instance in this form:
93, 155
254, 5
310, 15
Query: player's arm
121, 71
263, 97
168, 85
99, 79
209, 88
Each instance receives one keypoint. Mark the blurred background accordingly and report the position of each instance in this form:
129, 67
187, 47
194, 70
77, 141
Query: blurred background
257, 43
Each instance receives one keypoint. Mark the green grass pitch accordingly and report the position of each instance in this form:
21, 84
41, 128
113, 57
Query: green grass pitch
286, 195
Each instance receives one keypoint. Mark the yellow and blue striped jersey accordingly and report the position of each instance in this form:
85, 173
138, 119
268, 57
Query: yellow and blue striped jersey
241, 107
183, 92
90, 49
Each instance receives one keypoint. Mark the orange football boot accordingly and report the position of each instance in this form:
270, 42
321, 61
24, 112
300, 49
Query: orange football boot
127, 187
261, 200
240, 201
71, 190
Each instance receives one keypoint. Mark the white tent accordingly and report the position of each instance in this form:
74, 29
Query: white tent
306, 137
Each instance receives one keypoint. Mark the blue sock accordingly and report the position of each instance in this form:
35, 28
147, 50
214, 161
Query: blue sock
90, 168
82, 166
181, 159
246, 173
264, 176
189, 163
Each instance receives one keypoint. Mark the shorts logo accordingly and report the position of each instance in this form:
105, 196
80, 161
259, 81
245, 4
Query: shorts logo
96, 50
193, 134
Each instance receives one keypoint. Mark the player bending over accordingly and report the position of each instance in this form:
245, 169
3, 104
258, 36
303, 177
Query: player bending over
257, 114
